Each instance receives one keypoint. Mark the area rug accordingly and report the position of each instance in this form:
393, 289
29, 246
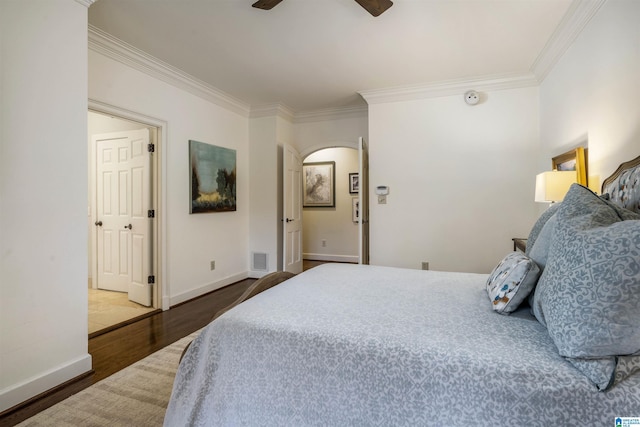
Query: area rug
135, 396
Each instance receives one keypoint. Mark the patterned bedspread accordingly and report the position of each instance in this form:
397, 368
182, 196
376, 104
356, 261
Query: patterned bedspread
342, 345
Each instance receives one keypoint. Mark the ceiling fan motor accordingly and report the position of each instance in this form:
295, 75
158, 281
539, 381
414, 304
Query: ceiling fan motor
374, 7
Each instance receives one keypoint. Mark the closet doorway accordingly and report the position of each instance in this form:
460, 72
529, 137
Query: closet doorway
122, 209
332, 233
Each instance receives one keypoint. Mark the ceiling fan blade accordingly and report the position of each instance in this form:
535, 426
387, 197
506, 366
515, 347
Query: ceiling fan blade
266, 4
375, 7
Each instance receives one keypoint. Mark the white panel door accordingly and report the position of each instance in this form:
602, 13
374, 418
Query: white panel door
292, 199
123, 250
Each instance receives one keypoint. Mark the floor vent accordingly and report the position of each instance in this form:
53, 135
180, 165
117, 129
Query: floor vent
259, 261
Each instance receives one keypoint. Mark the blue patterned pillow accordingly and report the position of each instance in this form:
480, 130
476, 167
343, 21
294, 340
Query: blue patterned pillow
540, 223
511, 282
540, 249
589, 293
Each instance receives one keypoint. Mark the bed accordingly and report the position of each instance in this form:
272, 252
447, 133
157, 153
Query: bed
360, 345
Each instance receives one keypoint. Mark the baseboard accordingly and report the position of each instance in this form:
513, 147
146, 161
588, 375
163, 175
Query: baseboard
329, 257
24, 391
254, 274
194, 293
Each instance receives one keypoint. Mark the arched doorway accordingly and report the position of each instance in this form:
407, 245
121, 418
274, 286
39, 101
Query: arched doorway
331, 233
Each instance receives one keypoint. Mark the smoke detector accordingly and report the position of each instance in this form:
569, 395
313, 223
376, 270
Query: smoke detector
471, 97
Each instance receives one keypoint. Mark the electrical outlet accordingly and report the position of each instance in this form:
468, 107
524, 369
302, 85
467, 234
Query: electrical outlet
324, 243
213, 265
425, 265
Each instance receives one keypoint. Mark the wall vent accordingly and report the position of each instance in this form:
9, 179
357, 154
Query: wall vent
259, 261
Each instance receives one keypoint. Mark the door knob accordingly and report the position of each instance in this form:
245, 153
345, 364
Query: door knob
98, 223
289, 220
128, 226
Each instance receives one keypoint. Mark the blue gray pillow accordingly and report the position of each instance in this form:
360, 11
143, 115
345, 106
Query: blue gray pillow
537, 227
589, 293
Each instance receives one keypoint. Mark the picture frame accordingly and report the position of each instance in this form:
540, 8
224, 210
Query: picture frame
355, 209
573, 160
319, 185
213, 178
354, 183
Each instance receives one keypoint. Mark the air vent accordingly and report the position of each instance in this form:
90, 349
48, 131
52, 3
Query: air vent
259, 261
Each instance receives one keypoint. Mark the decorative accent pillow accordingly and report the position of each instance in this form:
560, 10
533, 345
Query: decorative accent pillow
511, 282
589, 293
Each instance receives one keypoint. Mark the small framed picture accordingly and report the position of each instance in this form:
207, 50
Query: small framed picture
355, 209
354, 183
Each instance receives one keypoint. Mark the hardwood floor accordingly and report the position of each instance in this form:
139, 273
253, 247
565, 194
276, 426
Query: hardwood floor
124, 346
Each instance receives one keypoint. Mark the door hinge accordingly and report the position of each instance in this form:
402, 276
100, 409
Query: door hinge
151, 148
151, 213
151, 280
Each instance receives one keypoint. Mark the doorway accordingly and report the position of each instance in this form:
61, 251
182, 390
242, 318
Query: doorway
331, 233
122, 202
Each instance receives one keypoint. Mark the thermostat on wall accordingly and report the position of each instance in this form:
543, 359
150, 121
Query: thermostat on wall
382, 190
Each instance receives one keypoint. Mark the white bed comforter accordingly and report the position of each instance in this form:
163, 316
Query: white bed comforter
343, 345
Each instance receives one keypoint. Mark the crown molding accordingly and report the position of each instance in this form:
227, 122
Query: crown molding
282, 111
448, 88
105, 44
271, 110
86, 3
357, 111
574, 21
578, 15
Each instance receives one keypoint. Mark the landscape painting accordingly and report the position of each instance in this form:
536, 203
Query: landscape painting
213, 178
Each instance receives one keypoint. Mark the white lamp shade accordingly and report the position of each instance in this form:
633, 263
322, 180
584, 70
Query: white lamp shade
553, 185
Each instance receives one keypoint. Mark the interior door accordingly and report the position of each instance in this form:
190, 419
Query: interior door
123, 227
292, 209
363, 201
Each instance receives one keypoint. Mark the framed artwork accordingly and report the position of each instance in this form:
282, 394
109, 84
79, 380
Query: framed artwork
355, 209
574, 160
319, 185
213, 178
354, 183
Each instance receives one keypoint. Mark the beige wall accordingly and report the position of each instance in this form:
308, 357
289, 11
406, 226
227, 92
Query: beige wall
591, 95
461, 179
43, 181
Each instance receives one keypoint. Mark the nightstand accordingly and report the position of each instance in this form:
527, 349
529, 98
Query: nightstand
519, 243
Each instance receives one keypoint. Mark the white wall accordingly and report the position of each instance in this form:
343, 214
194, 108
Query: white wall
341, 129
43, 184
191, 241
267, 136
461, 179
334, 225
263, 193
592, 93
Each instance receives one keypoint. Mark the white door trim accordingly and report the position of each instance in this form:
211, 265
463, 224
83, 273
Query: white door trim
160, 295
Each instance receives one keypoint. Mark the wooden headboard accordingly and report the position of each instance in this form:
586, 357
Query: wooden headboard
623, 186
